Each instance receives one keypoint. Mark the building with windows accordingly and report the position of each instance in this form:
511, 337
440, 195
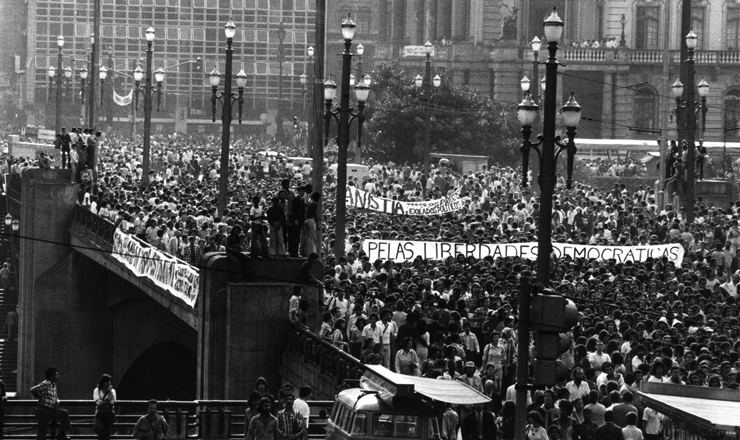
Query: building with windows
612, 55
186, 30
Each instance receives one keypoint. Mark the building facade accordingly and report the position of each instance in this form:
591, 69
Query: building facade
185, 31
621, 82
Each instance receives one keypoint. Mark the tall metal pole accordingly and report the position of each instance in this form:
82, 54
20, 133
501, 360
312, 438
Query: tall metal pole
665, 104
522, 366
535, 75
690, 138
60, 75
317, 105
147, 113
223, 184
279, 114
111, 73
547, 169
687, 77
427, 90
343, 146
94, 76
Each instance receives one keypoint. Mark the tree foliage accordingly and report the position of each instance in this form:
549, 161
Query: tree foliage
462, 121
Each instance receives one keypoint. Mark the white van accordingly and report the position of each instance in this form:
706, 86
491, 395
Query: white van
353, 170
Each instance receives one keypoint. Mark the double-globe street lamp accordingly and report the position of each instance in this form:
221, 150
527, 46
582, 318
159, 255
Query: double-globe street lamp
527, 112
58, 73
305, 81
84, 73
227, 100
147, 91
690, 108
425, 83
344, 116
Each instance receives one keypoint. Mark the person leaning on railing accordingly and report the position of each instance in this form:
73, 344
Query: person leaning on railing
105, 400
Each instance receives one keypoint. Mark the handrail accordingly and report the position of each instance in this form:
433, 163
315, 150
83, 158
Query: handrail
204, 419
105, 229
330, 359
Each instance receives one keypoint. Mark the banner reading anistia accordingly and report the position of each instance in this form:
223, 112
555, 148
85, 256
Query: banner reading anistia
399, 251
361, 199
178, 278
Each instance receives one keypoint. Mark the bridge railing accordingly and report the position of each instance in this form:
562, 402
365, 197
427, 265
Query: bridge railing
102, 228
215, 420
330, 359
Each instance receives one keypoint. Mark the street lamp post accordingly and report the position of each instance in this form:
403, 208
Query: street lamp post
279, 114
622, 40
147, 92
690, 107
265, 124
527, 113
536, 44
83, 79
59, 73
344, 116
426, 86
103, 74
92, 117
227, 100
309, 87
108, 107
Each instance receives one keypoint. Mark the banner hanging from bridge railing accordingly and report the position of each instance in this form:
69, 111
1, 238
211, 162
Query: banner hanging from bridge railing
398, 250
358, 198
167, 272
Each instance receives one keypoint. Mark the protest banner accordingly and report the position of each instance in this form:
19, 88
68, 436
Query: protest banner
358, 198
167, 272
399, 251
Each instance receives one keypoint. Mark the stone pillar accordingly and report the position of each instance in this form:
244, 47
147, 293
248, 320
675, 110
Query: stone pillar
47, 205
460, 18
444, 19
412, 22
398, 32
430, 15
607, 108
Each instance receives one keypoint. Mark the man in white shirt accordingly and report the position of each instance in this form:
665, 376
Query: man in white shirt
300, 406
598, 357
386, 331
577, 387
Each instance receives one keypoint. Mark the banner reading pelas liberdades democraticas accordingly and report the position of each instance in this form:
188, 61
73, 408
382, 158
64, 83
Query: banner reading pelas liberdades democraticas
358, 198
399, 251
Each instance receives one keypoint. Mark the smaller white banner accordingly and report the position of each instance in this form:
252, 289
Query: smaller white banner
358, 198
417, 51
123, 100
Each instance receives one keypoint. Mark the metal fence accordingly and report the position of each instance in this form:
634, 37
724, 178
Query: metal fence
212, 419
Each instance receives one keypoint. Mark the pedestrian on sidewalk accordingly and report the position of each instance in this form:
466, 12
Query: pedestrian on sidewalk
11, 324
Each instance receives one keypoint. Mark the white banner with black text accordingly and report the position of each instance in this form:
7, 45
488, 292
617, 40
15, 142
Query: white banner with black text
399, 251
167, 272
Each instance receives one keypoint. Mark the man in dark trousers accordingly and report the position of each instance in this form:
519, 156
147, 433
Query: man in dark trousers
609, 430
47, 407
479, 425
297, 218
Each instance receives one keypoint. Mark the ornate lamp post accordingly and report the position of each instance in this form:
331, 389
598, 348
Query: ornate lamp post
527, 113
536, 44
147, 92
344, 116
59, 73
622, 41
83, 78
690, 107
103, 74
92, 116
279, 114
427, 84
227, 99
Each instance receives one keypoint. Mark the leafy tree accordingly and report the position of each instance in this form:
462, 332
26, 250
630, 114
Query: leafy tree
462, 121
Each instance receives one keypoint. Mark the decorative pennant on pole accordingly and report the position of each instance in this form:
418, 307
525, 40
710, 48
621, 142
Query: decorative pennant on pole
123, 101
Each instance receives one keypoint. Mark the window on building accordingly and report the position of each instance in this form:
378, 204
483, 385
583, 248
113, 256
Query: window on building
648, 27
364, 21
732, 113
645, 110
697, 24
732, 29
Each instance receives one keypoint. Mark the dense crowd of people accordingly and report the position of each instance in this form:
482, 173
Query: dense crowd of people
650, 321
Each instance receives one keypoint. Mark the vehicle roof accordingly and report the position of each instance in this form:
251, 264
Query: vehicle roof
364, 400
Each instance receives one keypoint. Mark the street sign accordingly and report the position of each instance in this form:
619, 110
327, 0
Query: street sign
416, 51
